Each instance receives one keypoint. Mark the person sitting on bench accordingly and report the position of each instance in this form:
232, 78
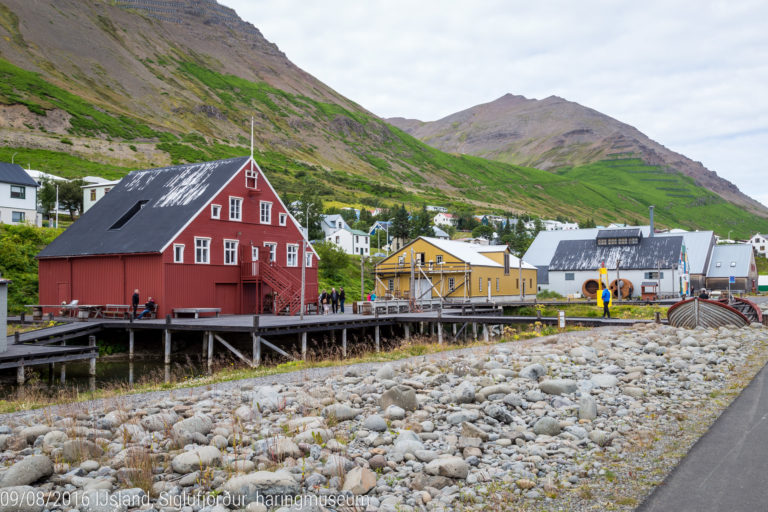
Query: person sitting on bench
149, 307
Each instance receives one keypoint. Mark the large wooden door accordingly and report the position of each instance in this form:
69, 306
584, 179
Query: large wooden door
226, 298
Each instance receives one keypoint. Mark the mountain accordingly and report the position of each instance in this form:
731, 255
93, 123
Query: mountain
555, 133
103, 87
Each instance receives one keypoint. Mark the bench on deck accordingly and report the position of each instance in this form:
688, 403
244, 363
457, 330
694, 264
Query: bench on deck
195, 311
116, 310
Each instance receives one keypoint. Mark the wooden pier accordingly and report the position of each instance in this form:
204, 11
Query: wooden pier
267, 332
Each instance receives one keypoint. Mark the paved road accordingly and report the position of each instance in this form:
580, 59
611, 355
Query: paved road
727, 469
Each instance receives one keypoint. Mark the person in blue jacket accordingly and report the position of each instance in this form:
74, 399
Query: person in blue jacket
606, 296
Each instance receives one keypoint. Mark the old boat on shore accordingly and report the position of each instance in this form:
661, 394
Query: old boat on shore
696, 312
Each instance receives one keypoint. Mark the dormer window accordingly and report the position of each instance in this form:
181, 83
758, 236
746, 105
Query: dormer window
251, 179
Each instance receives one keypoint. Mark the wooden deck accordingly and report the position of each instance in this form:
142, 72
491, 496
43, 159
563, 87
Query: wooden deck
28, 355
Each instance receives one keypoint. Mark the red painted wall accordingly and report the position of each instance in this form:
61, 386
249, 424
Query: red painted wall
111, 279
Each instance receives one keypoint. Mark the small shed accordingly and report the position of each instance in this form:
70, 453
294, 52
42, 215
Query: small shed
649, 290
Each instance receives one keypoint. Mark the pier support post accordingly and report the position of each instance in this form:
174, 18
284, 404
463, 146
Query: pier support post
421, 328
63, 374
453, 326
92, 364
205, 346
20, 375
130, 373
50, 374
377, 339
130, 345
167, 338
343, 343
474, 331
210, 351
407, 328
486, 337
439, 326
256, 342
304, 346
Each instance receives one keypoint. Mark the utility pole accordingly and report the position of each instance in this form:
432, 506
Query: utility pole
362, 276
520, 277
303, 274
57, 205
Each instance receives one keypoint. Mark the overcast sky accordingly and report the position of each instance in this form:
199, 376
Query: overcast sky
690, 75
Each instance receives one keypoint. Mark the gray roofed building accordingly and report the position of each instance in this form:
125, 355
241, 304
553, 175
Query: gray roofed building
650, 253
731, 260
15, 174
145, 211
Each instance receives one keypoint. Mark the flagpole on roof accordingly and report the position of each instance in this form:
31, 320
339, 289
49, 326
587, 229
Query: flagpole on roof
251, 137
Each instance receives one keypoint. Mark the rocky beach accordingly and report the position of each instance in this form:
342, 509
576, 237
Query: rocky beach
576, 421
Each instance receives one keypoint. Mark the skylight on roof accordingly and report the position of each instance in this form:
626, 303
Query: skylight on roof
129, 214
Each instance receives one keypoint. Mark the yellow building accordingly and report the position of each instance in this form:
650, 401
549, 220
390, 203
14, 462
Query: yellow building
436, 268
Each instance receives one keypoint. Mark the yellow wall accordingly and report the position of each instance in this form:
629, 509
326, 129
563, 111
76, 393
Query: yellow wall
390, 268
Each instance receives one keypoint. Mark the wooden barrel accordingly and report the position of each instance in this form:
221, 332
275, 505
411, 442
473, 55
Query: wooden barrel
589, 288
626, 285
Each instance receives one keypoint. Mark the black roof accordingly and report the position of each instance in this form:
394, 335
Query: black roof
650, 253
15, 175
619, 233
145, 211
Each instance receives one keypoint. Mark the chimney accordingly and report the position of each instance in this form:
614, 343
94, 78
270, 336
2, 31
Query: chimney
3, 314
652, 228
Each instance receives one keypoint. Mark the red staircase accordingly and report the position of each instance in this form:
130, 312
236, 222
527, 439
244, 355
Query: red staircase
286, 286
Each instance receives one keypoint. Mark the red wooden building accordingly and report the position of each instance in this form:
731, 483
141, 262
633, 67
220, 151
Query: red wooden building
211, 234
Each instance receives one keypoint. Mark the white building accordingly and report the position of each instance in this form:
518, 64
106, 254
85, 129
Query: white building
95, 191
332, 223
760, 244
444, 219
351, 241
18, 195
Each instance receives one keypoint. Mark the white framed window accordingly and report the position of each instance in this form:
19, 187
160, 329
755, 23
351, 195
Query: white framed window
93, 194
391, 285
230, 252
18, 216
272, 248
18, 192
283, 218
439, 258
251, 178
202, 250
178, 253
215, 211
308, 259
236, 208
254, 253
266, 212
292, 255
357, 239
451, 283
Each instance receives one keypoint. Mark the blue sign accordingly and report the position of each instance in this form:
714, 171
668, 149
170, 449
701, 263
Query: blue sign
732, 279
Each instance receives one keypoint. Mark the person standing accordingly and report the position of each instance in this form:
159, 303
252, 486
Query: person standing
606, 296
342, 298
135, 301
324, 301
334, 300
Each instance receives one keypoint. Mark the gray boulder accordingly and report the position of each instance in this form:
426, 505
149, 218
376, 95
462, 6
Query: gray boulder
27, 470
533, 371
386, 372
465, 392
375, 423
547, 426
499, 413
200, 424
199, 458
401, 396
266, 397
341, 412
587, 408
159, 421
451, 467
558, 386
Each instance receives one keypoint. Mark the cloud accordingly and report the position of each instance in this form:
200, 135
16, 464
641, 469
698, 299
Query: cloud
691, 75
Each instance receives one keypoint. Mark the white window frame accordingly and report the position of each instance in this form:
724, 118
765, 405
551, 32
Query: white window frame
252, 174
272, 251
206, 249
215, 211
265, 219
391, 285
288, 249
178, 253
19, 190
230, 252
22, 216
451, 284
439, 259
283, 218
308, 259
254, 253
238, 209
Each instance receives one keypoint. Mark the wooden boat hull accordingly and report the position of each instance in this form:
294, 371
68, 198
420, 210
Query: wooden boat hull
697, 312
